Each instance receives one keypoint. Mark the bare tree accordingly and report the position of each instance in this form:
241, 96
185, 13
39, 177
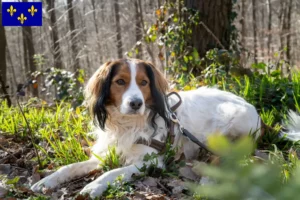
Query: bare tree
29, 50
138, 28
254, 21
54, 34
3, 67
148, 46
262, 29
288, 39
269, 29
85, 37
289, 29
243, 31
282, 25
118, 29
74, 42
97, 28
2, 49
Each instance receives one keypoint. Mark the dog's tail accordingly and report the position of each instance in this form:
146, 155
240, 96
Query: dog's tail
292, 127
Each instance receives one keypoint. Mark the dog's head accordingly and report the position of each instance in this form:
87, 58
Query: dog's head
129, 85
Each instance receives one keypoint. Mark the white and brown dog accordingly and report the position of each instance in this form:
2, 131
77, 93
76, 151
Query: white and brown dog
127, 99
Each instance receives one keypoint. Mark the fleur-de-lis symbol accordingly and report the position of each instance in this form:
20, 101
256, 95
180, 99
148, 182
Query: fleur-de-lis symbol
11, 10
32, 10
22, 18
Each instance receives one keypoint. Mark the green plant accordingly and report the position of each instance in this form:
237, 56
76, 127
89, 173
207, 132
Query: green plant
118, 189
240, 176
65, 85
60, 126
150, 167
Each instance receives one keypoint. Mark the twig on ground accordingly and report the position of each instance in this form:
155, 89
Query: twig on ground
163, 187
10, 154
31, 133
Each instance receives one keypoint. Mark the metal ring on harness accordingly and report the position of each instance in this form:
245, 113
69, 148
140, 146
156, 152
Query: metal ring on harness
174, 107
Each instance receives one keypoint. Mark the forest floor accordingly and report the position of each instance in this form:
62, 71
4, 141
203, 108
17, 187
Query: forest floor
18, 166
60, 137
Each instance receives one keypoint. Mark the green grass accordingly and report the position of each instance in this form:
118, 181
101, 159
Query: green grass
241, 176
61, 128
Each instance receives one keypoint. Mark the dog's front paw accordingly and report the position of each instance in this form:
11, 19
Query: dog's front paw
45, 184
94, 189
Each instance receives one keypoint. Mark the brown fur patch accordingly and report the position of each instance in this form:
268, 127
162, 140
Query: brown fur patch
116, 90
141, 76
160, 82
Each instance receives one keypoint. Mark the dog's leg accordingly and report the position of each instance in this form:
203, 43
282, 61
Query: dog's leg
65, 174
98, 186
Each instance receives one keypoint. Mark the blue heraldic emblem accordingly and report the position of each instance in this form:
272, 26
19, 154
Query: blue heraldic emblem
22, 14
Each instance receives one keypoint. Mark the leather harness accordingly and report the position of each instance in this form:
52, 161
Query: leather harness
161, 146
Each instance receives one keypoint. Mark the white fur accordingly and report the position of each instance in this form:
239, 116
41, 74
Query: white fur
203, 112
132, 92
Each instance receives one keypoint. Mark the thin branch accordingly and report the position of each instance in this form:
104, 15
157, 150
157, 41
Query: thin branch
31, 133
212, 34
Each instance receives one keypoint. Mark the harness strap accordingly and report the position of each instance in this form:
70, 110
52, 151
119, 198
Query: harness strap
191, 137
161, 146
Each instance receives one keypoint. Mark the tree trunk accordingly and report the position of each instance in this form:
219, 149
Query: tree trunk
269, 30
74, 47
3, 66
138, 29
244, 32
54, 34
215, 14
254, 21
97, 28
85, 36
27, 36
288, 39
262, 31
147, 45
158, 3
25, 55
118, 28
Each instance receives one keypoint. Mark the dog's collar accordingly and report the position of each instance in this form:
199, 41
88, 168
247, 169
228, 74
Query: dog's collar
158, 145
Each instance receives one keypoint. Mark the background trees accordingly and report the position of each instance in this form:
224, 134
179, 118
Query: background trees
83, 34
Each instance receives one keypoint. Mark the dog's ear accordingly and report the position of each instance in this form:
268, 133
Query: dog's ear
161, 82
159, 88
97, 92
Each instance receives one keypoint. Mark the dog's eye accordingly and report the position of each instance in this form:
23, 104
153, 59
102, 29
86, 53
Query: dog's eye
120, 82
143, 83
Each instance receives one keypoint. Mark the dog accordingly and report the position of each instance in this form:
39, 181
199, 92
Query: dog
127, 100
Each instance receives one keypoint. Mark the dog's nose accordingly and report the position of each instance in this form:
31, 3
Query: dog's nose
135, 104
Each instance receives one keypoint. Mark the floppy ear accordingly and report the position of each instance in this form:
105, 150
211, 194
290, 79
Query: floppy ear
97, 92
159, 88
161, 82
